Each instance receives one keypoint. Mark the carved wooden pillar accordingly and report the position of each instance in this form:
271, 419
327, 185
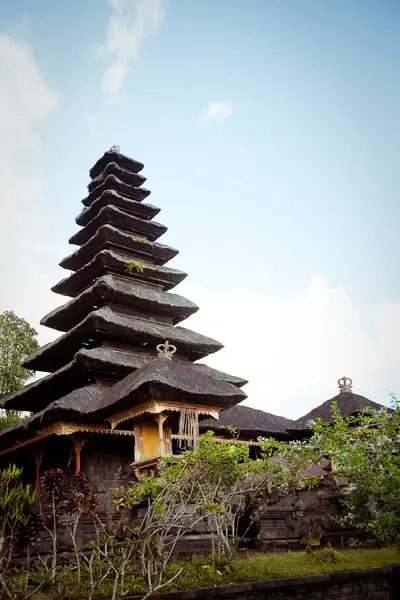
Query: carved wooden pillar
168, 441
161, 418
38, 452
78, 443
137, 431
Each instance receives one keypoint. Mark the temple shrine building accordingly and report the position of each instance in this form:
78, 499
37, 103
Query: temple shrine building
124, 385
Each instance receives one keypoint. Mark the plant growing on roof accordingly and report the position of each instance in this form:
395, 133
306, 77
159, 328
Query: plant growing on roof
131, 265
142, 240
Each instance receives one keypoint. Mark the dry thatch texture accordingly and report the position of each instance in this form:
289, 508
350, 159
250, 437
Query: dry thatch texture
87, 364
138, 209
128, 177
118, 262
348, 404
249, 421
113, 183
115, 289
104, 362
109, 237
122, 161
110, 215
106, 322
74, 405
238, 381
172, 380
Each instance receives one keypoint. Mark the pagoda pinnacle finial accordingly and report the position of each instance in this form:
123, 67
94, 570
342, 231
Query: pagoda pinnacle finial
345, 384
166, 350
115, 149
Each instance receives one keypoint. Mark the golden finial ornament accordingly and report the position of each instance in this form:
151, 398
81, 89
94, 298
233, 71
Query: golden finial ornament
345, 384
166, 350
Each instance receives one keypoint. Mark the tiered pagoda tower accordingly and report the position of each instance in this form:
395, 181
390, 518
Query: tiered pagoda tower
122, 368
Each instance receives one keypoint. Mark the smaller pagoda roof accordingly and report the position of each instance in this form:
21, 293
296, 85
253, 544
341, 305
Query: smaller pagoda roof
171, 380
117, 289
109, 237
114, 156
108, 322
111, 182
128, 177
348, 403
111, 215
248, 421
110, 197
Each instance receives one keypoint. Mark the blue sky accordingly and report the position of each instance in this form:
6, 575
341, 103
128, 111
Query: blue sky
270, 135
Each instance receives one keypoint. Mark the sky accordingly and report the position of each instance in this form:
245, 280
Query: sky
270, 135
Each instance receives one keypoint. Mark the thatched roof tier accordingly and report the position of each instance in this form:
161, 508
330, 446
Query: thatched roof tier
127, 177
115, 157
106, 363
238, 381
110, 215
138, 209
74, 405
121, 290
171, 380
348, 403
248, 421
113, 261
109, 237
113, 183
87, 365
108, 323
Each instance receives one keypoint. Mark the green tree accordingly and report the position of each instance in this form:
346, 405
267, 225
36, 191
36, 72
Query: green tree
17, 341
365, 449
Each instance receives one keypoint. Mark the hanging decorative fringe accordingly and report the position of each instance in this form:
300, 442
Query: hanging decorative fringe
188, 427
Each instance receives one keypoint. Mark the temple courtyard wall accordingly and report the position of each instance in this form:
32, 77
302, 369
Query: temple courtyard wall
286, 523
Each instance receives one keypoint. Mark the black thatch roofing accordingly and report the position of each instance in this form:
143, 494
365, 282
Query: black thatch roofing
123, 291
128, 177
106, 322
248, 421
348, 404
111, 182
122, 161
109, 237
75, 404
168, 380
104, 362
116, 261
110, 215
138, 209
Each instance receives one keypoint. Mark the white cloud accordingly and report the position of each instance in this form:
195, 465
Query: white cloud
218, 112
293, 349
130, 23
90, 121
25, 102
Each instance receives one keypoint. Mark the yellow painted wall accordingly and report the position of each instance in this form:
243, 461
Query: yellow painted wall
150, 440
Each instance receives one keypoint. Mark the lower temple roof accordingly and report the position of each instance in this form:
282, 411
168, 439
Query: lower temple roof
103, 362
164, 379
108, 323
247, 421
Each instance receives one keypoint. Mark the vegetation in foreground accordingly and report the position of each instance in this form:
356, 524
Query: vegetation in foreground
202, 573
